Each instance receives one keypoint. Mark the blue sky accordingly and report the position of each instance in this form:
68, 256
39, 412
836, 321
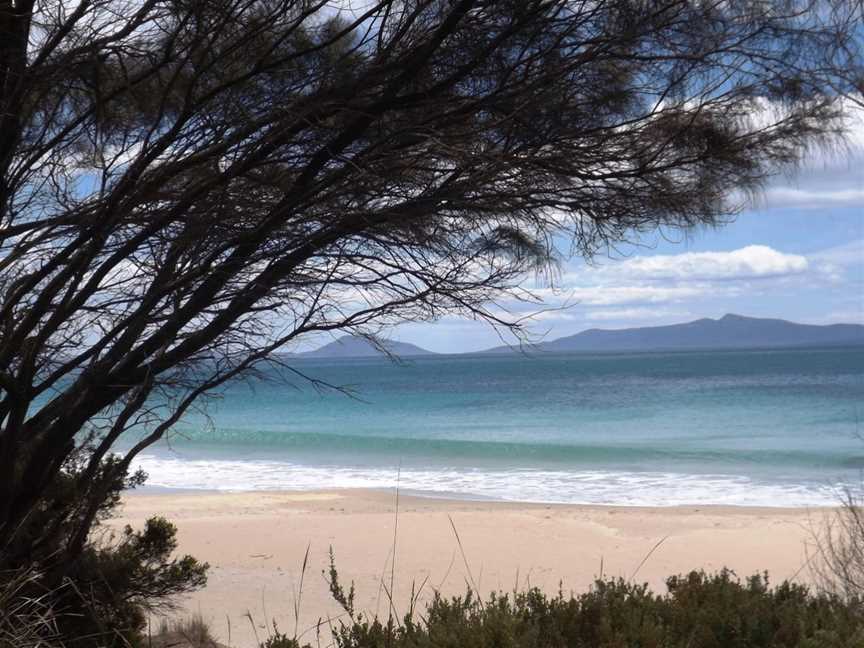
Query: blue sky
797, 253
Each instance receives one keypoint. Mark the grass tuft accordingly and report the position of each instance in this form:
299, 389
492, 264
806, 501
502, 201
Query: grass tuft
183, 633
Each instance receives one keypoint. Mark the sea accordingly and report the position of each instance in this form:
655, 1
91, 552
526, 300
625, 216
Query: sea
750, 428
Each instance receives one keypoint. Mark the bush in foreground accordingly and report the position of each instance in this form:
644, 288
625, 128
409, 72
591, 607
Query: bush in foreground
94, 590
698, 611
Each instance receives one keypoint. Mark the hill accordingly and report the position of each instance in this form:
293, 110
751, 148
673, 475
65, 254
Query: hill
728, 332
351, 346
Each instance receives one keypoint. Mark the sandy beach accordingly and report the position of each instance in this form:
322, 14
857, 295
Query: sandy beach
255, 543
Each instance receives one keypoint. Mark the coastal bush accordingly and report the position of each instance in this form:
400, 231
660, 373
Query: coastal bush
92, 590
698, 610
837, 560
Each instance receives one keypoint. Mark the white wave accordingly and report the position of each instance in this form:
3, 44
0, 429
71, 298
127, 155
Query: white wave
548, 486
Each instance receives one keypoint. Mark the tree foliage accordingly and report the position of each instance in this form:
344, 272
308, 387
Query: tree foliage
188, 186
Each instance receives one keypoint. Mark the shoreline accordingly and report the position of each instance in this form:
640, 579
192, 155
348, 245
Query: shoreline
456, 498
255, 542
446, 496
235, 469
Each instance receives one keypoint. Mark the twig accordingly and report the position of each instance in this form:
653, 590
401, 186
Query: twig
647, 556
473, 584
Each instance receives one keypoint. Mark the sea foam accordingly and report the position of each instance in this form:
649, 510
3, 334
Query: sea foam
549, 486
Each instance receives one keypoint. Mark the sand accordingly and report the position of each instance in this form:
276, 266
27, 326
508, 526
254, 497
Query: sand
256, 542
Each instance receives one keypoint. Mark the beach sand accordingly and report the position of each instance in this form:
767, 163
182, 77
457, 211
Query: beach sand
255, 543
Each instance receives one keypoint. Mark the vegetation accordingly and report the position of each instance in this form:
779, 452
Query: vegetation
25, 619
189, 633
837, 556
698, 610
102, 598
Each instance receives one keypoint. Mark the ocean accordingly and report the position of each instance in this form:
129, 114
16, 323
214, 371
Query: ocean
756, 427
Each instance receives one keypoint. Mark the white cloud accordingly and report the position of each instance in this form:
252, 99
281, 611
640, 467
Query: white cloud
626, 314
839, 263
551, 315
676, 278
852, 316
813, 199
847, 254
673, 278
751, 262
640, 294
828, 178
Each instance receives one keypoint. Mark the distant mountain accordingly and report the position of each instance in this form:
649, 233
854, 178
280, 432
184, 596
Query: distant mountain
350, 346
728, 332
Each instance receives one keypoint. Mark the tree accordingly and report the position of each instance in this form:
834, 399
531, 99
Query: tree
187, 186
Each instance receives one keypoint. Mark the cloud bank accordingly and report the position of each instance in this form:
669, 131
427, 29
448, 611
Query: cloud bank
751, 262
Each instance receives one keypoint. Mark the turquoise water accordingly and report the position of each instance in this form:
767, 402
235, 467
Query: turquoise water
751, 427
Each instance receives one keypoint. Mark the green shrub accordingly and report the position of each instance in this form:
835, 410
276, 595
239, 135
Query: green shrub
127, 576
96, 590
698, 611
280, 640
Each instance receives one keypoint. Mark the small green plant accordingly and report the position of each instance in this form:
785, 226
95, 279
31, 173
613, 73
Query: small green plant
344, 598
279, 640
